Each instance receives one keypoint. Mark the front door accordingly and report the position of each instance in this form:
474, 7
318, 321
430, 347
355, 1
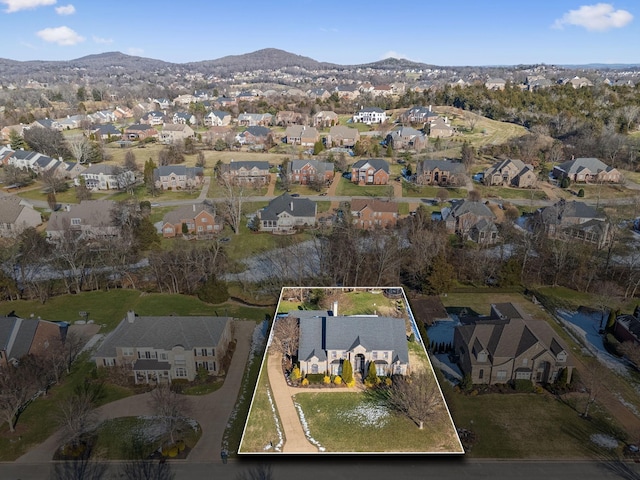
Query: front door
360, 363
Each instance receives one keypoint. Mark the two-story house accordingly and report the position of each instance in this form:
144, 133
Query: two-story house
285, 213
471, 220
106, 177
305, 172
406, 138
440, 172
88, 219
510, 173
177, 177
16, 215
342, 136
587, 170
372, 171
301, 135
162, 349
197, 219
247, 172
217, 118
371, 213
370, 115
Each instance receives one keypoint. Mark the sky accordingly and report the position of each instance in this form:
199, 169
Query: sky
346, 32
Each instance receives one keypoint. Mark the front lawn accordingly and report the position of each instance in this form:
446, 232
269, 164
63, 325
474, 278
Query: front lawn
353, 422
346, 188
428, 191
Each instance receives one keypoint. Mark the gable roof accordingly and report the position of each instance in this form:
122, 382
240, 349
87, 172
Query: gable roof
93, 213
164, 333
181, 170
16, 335
11, 207
442, 165
285, 203
479, 209
594, 165
257, 131
187, 212
248, 165
319, 166
322, 332
376, 163
562, 212
359, 204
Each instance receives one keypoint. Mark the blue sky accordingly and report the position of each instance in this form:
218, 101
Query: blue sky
464, 32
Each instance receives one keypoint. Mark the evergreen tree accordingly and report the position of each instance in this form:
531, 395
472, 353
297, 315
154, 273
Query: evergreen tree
372, 374
16, 142
347, 372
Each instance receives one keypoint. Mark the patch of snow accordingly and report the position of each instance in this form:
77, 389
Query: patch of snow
370, 415
604, 441
305, 427
278, 446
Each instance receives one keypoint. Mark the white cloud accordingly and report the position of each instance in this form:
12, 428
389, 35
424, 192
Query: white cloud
135, 51
60, 35
595, 18
17, 5
394, 54
66, 10
104, 41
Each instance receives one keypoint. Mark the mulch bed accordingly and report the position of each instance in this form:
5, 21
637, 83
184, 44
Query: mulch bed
428, 308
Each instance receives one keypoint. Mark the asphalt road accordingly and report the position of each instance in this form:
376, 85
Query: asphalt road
369, 467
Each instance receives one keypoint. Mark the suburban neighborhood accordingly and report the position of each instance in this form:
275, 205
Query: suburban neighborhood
237, 262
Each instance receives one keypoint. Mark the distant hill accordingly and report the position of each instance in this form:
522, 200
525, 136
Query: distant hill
267, 58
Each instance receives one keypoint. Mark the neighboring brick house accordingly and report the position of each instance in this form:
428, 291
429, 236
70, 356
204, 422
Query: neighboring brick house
284, 118
587, 170
246, 172
510, 345
469, 218
89, 219
575, 221
255, 119
106, 177
372, 171
254, 136
440, 172
510, 173
342, 136
327, 340
138, 132
371, 213
177, 177
325, 118
200, 219
305, 172
162, 349
217, 118
370, 115
26, 336
285, 213
406, 138
16, 215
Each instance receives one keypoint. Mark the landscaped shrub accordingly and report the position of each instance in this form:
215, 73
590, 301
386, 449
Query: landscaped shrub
350, 384
337, 380
181, 446
305, 382
523, 386
295, 374
315, 377
347, 371
581, 193
372, 374
326, 380
388, 381
173, 452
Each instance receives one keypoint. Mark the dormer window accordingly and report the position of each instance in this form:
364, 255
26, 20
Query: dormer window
482, 356
562, 357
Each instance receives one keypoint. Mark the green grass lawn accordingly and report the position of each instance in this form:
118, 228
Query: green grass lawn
507, 193
347, 189
218, 191
353, 422
39, 420
115, 436
427, 191
522, 426
263, 425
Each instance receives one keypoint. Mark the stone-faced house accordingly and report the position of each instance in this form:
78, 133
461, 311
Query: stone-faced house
342, 136
587, 170
285, 213
510, 173
328, 340
246, 172
301, 135
173, 133
217, 118
255, 119
440, 128
304, 172
406, 138
325, 118
440, 172
418, 115
510, 345
177, 177
372, 171
471, 220
254, 136
371, 213
285, 118
200, 220
574, 221
161, 349
16, 215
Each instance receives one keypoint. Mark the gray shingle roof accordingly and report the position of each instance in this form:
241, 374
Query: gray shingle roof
319, 166
321, 333
593, 164
16, 335
444, 165
377, 163
10, 208
187, 212
562, 212
296, 207
164, 333
166, 170
477, 208
248, 164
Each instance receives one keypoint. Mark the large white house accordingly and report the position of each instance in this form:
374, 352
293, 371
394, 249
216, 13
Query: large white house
370, 115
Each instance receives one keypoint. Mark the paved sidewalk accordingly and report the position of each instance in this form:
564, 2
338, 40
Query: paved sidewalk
211, 411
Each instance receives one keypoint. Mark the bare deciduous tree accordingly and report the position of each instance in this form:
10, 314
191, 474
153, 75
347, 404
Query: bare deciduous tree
232, 206
286, 335
76, 413
171, 408
80, 148
416, 396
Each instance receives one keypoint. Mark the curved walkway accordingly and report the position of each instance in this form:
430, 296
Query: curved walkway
211, 411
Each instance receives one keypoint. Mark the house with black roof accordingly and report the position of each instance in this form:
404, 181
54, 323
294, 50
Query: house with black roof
285, 213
